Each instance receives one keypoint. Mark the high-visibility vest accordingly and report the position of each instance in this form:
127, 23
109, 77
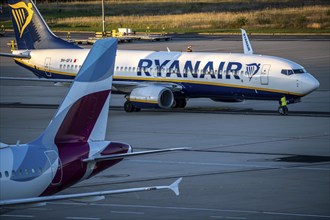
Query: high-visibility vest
283, 101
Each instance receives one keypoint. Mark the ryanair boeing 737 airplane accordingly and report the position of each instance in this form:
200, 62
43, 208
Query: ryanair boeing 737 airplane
162, 79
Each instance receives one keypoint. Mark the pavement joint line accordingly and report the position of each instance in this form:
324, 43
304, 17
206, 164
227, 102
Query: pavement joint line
127, 212
18, 216
186, 110
198, 209
200, 174
82, 218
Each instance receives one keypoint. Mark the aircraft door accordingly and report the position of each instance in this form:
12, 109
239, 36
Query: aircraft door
264, 76
47, 67
56, 167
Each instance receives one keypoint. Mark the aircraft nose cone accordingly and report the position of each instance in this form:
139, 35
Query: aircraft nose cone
309, 83
313, 84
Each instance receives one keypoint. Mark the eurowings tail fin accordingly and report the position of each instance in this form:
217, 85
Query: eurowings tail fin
83, 114
31, 30
246, 43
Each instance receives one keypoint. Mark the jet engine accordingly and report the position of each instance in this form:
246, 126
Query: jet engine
149, 97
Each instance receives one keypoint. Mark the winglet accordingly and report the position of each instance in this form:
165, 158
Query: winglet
175, 186
246, 43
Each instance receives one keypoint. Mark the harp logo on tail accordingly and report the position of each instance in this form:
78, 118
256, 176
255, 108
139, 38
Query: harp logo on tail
22, 15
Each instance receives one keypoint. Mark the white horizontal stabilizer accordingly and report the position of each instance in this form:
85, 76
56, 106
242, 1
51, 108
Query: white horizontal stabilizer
121, 156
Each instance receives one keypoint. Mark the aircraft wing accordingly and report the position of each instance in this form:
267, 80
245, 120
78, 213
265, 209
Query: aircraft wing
123, 86
36, 79
81, 197
25, 54
121, 156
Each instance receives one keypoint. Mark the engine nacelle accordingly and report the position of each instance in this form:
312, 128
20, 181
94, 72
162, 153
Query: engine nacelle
151, 97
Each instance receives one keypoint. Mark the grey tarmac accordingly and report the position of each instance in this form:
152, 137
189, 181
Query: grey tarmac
245, 161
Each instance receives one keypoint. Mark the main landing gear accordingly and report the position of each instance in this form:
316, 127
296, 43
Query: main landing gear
129, 107
179, 102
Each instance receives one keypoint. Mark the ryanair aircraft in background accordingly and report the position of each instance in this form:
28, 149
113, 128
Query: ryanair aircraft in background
162, 79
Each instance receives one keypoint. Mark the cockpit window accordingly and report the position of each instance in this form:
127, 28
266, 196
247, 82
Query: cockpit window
287, 72
298, 71
290, 71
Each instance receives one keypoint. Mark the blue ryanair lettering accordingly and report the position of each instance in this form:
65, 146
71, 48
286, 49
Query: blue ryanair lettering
144, 64
175, 69
208, 70
190, 68
232, 70
160, 66
220, 69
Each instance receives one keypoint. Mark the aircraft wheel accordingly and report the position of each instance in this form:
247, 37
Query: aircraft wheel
179, 103
128, 106
182, 103
136, 109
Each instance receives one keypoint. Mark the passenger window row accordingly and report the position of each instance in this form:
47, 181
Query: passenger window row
21, 172
133, 69
64, 66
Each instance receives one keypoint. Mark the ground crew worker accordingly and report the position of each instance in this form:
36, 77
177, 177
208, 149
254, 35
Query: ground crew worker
189, 48
283, 106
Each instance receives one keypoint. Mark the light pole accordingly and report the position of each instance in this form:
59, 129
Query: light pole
103, 19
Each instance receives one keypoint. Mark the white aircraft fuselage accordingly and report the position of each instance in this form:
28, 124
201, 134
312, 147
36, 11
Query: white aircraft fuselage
209, 75
31, 171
